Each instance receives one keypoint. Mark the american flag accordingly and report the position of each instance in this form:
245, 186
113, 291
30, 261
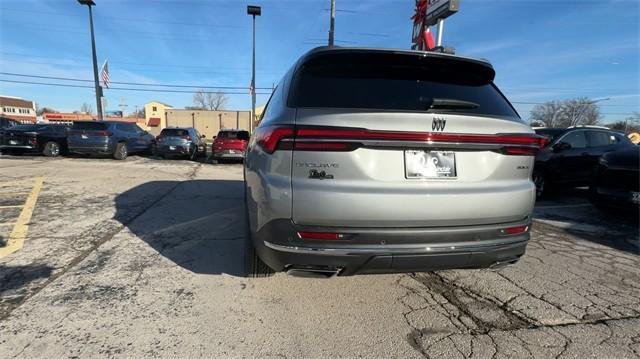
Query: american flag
105, 74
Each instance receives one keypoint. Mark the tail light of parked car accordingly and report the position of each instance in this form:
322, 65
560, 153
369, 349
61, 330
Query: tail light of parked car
272, 138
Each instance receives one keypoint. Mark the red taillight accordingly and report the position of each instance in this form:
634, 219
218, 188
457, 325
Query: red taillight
348, 139
319, 235
269, 137
102, 133
514, 230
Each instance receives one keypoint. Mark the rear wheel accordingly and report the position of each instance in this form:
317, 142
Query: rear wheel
121, 152
51, 149
254, 267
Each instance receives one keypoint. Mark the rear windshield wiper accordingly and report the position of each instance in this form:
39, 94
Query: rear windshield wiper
452, 104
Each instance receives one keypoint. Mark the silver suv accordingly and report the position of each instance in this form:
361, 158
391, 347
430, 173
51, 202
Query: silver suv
381, 161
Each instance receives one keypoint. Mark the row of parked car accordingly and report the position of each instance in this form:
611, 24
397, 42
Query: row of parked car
118, 139
603, 159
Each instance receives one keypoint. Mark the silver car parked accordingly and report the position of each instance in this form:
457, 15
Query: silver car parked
381, 161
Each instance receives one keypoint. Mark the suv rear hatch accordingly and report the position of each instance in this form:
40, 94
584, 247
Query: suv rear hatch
20, 135
89, 134
174, 137
370, 125
230, 140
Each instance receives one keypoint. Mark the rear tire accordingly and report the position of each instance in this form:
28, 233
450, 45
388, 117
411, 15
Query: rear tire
51, 149
254, 267
121, 152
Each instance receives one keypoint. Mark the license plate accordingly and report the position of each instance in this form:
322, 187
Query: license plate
13, 142
429, 164
172, 147
635, 197
84, 137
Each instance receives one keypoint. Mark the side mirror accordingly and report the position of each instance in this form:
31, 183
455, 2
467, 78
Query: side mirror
561, 146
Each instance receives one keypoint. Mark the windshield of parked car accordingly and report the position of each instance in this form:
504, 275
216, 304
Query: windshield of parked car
90, 126
389, 81
174, 132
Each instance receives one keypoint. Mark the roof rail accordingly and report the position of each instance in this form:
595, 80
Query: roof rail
589, 126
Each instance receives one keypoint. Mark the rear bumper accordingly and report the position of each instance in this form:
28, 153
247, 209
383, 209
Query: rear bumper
103, 149
393, 250
226, 155
177, 149
614, 197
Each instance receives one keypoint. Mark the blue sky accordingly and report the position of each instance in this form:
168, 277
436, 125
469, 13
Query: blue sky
541, 49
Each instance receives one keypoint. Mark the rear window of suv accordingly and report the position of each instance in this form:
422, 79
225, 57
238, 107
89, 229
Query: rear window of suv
400, 82
174, 132
231, 135
90, 126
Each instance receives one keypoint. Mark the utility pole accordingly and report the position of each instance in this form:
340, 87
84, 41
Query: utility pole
122, 105
332, 22
89, 4
253, 11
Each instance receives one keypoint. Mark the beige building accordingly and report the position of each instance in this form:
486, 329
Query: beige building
155, 117
17, 109
206, 122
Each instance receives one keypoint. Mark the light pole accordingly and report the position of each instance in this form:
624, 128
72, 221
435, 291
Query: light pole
253, 11
89, 4
332, 22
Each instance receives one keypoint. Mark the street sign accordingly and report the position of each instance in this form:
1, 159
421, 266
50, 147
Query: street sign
440, 9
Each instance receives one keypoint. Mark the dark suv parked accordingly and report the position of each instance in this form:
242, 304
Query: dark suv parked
572, 154
181, 141
50, 140
109, 137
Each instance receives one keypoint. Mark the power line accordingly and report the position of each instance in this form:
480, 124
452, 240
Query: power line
119, 88
133, 83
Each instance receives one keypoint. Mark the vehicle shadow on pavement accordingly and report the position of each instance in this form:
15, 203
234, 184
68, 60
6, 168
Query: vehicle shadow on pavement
197, 224
571, 210
14, 280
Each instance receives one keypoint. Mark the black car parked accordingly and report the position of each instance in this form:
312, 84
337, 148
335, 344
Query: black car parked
572, 154
616, 181
48, 139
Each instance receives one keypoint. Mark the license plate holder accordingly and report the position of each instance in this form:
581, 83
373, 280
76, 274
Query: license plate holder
421, 164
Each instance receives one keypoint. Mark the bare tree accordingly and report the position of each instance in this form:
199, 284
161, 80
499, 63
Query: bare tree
581, 111
573, 112
628, 125
547, 114
209, 101
86, 108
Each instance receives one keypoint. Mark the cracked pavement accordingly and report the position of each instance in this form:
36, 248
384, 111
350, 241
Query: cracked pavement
143, 258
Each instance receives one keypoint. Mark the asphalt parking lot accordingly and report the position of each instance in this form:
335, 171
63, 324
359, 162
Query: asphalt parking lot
143, 258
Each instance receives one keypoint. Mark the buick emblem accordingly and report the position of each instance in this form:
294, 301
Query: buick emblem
438, 124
